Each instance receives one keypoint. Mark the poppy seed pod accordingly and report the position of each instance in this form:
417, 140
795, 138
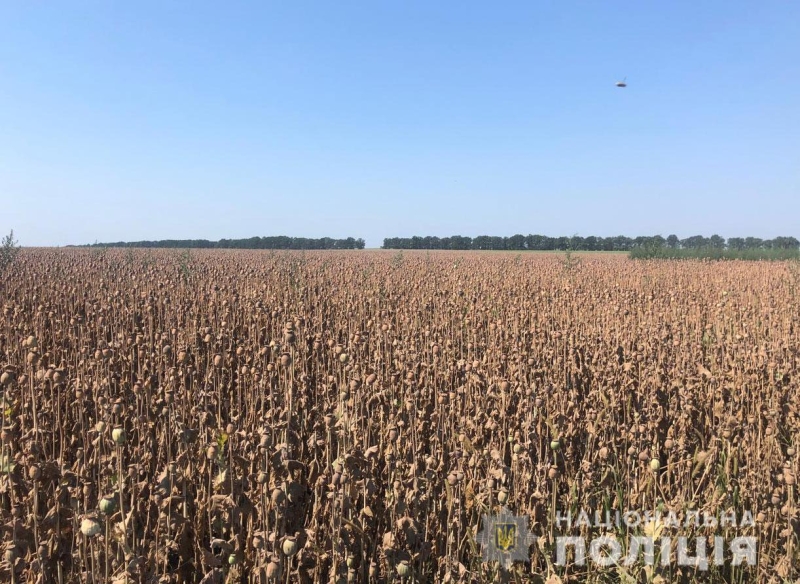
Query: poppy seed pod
273, 570
118, 436
107, 505
289, 546
404, 569
90, 527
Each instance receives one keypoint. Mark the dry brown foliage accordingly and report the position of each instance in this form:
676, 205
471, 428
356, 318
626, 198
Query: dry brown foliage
327, 417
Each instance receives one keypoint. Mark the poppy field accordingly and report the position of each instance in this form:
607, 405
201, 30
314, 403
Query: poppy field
350, 416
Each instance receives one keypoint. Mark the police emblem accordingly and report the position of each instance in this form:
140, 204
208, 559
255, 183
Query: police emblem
505, 538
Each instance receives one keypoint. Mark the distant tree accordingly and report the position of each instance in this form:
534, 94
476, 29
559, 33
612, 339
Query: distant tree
622, 243
481, 242
694, 242
785, 243
540, 242
460, 242
672, 241
576, 242
736, 243
716, 241
561, 243
9, 249
753, 243
516, 242
497, 243
430, 242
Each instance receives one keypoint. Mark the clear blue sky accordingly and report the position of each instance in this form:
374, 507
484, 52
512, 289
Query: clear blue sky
150, 120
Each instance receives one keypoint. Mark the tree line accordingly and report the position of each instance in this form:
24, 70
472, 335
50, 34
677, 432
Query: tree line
271, 242
481, 242
589, 243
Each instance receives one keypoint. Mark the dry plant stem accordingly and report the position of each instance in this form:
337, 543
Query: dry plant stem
105, 550
121, 488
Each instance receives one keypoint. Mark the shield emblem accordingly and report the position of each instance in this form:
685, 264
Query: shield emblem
505, 536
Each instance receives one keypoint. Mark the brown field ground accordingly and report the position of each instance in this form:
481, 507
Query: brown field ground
257, 416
